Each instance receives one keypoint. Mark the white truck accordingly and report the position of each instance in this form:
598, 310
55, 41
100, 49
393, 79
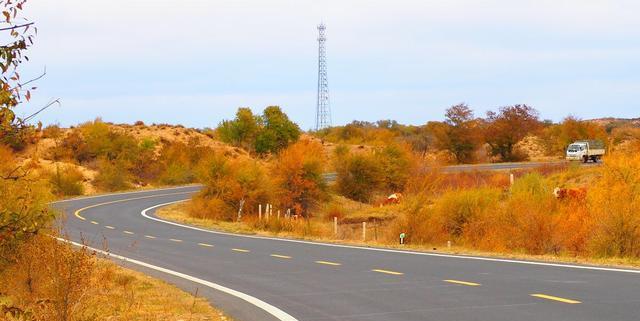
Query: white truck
586, 150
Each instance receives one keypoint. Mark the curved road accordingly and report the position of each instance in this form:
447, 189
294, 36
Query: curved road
261, 279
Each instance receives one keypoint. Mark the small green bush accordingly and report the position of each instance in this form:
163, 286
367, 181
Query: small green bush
112, 175
66, 181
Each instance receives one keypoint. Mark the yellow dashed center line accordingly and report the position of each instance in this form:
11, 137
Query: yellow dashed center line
77, 212
94, 222
281, 256
241, 250
110, 227
205, 244
127, 232
387, 272
328, 263
175, 240
555, 298
150, 237
462, 282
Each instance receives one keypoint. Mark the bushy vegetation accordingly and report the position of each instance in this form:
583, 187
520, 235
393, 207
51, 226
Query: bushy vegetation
178, 162
268, 133
614, 208
238, 187
298, 175
52, 281
23, 205
558, 136
123, 161
363, 175
464, 138
527, 218
231, 186
66, 180
460, 134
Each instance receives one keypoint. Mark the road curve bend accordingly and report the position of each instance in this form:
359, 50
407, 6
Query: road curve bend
256, 278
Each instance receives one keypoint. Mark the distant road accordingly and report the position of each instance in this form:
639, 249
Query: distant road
330, 177
499, 166
255, 278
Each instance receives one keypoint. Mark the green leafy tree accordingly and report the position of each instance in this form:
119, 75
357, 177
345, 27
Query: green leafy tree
359, 176
397, 163
264, 134
242, 130
277, 131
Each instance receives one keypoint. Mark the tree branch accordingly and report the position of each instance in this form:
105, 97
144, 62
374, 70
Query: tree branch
44, 73
57, 101
16, 27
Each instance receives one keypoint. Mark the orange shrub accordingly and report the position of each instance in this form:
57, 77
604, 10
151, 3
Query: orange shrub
462, 215
298, 173
614, 202
49, 280
230, 185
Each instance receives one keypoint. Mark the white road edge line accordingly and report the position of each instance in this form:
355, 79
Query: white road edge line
478, 258
123, 193
277, 313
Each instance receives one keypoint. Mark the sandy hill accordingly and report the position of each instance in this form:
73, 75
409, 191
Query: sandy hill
616, 122
177, 133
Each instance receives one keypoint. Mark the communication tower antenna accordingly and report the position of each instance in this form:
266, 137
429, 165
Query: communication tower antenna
323, 110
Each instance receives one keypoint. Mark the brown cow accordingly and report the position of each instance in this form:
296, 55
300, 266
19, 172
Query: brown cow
393, 199
578, 194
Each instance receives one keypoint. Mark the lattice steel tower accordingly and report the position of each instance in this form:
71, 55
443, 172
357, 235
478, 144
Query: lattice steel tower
323, 110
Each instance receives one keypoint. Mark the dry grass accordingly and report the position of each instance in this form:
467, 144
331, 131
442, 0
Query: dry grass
135, 296
52, 281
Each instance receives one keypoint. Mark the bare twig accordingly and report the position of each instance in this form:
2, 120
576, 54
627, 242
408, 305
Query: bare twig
57, 101
17, 26
44, 73
11, 176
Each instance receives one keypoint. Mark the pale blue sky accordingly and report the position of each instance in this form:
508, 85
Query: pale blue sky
194, 61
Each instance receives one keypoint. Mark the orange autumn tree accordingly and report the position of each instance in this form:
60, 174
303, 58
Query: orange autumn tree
231, 187
508, 126
558, 136
298, 171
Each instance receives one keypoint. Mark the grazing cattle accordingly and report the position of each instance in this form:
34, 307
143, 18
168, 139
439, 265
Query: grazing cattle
570, 193
393, 199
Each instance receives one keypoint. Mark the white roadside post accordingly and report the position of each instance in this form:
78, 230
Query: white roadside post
335, 226
364, 231
511, 178
260, 212
278, 214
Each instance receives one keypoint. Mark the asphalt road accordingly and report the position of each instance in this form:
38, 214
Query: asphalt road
330, 177
261, 279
